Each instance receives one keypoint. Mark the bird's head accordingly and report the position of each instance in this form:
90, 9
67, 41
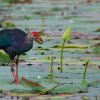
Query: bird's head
37, 37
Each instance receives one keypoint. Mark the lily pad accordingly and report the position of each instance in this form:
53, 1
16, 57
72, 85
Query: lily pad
8, 24
95, 84
53, 87
71, 46
96, 49
97, 30
70, 88
43, 86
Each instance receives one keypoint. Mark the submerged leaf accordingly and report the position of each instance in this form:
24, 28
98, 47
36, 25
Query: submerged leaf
66, 35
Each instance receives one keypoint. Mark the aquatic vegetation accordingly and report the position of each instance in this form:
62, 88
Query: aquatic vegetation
27, 17
84, 98
51, 69
96, 48
97, 30
39, 87
66, 38
84, 82
12, 1
18, 1
8, 24
56, 9
50, 18
4, 57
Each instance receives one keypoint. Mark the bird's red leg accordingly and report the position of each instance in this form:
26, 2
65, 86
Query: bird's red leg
14, 75
17, 67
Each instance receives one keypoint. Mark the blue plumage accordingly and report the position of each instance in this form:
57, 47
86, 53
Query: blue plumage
15, 42
5, 39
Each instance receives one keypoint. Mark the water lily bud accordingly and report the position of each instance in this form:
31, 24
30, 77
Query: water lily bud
67, 33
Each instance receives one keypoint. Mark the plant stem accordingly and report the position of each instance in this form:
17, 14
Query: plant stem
84, 74
61, 58
96, 98
52, 76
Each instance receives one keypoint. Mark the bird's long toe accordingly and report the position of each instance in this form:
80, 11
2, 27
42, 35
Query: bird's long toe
15, 82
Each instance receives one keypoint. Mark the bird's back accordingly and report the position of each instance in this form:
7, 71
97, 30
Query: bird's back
8, 36
18, 35
5, 38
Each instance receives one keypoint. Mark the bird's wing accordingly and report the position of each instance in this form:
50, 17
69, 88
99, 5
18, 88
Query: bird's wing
9, 37
18, 35
5, 38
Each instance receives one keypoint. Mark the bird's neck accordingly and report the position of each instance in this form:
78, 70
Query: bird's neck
30, 37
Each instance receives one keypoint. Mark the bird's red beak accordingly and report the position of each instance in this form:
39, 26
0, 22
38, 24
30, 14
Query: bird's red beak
37, 37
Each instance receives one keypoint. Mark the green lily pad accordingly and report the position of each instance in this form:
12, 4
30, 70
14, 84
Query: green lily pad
41, 87
53, 87
8, 24
95, 84
96, 49
70, 88
97, 30
71, 46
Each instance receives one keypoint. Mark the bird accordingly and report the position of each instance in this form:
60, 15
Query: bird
15, 42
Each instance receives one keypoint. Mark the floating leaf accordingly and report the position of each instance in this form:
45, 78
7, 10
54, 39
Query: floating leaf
22, 94
66, 35
84, 98
71, 46
97, 30
4, 57
8, 24
96, 49
70, 88
30, 84
39, 87
53, 87
56, 9
27, 17
95, 84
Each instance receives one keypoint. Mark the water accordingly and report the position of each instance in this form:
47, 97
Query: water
53, 16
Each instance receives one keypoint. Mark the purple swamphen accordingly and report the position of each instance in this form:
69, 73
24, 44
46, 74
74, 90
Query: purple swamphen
15, 42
